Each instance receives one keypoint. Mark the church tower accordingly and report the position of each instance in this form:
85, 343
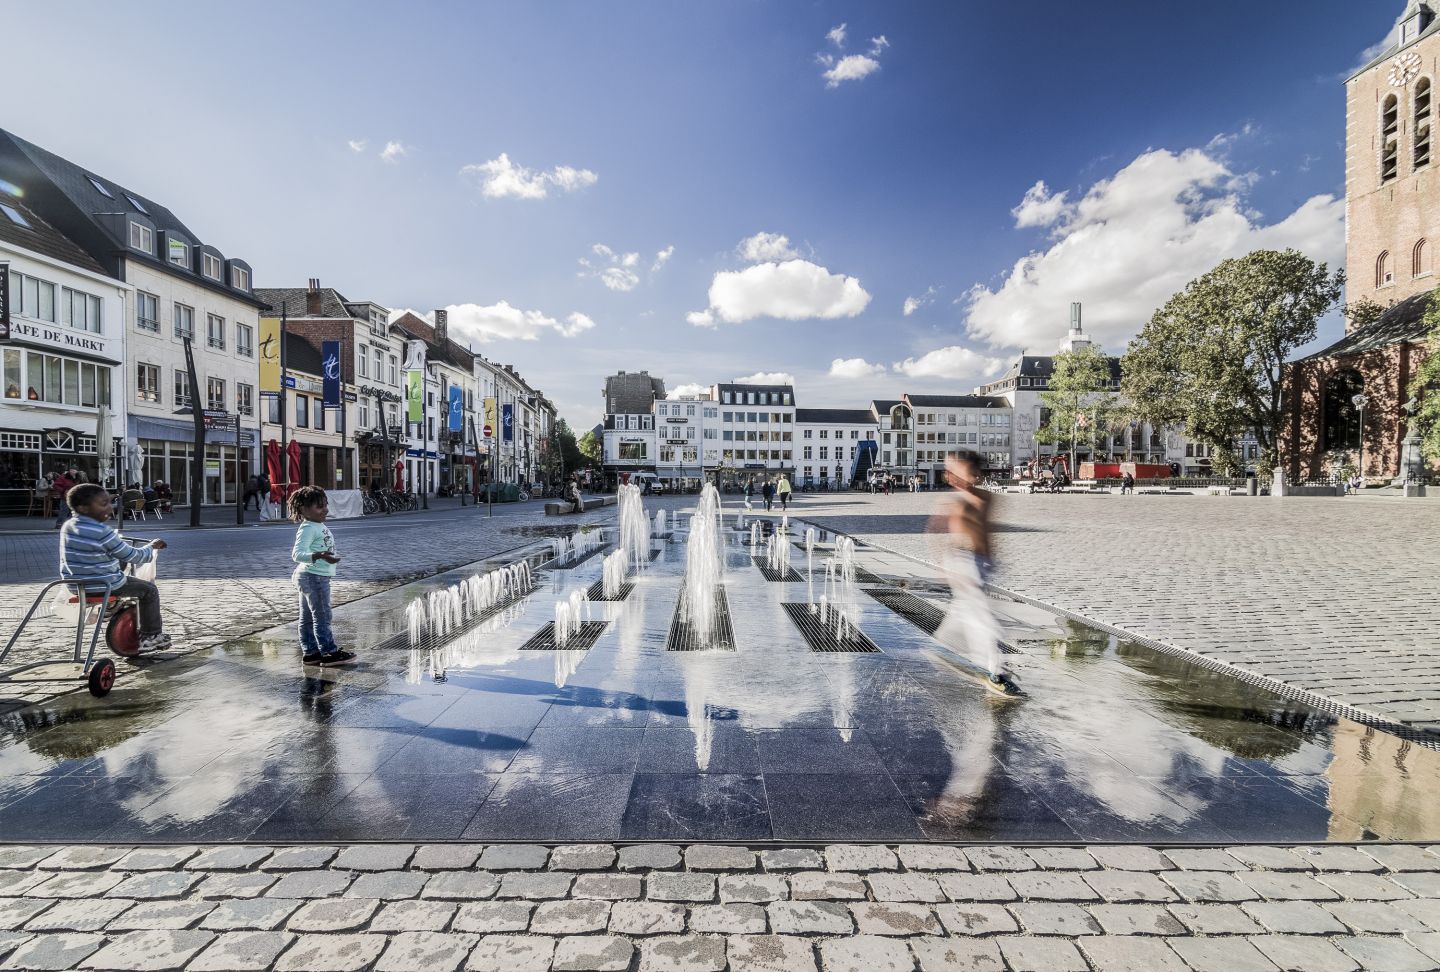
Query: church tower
1392, 194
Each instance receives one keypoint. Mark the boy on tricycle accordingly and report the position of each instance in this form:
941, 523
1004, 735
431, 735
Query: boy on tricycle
93, 555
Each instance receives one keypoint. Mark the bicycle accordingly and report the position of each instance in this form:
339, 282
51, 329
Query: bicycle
524, 495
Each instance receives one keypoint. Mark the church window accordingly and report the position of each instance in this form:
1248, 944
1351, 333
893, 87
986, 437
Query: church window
1341, 417
1420, 261
1383, 272
1389, 139
1422, 123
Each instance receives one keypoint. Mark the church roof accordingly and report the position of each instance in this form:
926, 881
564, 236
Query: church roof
1402, 322
1392, 42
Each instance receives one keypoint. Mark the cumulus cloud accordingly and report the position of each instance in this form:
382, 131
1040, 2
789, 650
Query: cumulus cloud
1132, 241
662, 257
794, 290
912, 304
849, 67
766, 247
689, 390
393, 152
950, 362
357, 145
854, 368
484, 324
617, 270
767, 378
502, 179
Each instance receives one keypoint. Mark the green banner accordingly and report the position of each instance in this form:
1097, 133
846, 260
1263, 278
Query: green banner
414, 395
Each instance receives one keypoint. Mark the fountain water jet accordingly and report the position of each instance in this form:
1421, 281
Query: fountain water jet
634, 536
703, 564
612, 574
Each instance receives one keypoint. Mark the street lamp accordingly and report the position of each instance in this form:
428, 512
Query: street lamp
1360, 401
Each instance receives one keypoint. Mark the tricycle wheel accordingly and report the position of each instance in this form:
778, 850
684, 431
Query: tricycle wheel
122, 633
102, 678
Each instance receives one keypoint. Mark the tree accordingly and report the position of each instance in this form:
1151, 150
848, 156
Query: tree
592, 448
562, 455
1211, 359
1078, 403
1426, 386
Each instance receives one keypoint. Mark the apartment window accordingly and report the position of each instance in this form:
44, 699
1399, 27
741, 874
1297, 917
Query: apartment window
215, 331
824, 433
364, 411
710, 413
179, 254
142, 238
32, 298
727, 417
184, 321
147, 383
210, 265
751, 417
394, 371
690, 411
244, 398
379, 376
647, 422
182, 388
302, 411
805, 433
319, 414
215, 393
147, 312
805, 453
824, 452
240, 278
272, 409
727, 435
364, 361
245, 340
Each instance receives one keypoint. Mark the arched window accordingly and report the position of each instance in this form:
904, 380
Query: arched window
1342, 419
1383, 272
1390, 139
1420, 260
1422, 123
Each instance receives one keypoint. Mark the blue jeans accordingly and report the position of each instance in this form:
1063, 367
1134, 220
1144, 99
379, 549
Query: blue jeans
315, 636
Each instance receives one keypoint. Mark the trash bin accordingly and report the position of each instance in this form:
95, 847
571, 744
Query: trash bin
1252, 487
510, 493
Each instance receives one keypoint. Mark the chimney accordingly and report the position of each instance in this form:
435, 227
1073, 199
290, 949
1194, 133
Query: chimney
313, 303
442, 325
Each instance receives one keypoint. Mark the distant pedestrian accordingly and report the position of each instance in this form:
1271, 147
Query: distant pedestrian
315, 559
1127, 484
749, 494
252, 491
768, 492
783, 490
59, 487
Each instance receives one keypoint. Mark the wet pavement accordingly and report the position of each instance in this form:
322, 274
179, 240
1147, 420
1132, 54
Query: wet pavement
772, 741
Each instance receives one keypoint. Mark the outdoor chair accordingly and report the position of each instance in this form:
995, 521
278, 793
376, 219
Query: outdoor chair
132, 501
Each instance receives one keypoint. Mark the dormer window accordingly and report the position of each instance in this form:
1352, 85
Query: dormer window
100, 187
210, 265
240, 278
142, 237
179, 254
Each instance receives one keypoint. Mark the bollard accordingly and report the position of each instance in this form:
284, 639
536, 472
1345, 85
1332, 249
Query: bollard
1252, 486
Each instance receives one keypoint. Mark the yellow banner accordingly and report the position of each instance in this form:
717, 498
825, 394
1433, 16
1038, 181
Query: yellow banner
491, 419
269, 354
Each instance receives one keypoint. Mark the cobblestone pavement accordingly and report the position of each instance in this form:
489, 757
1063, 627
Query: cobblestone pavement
1335, 595
218, 584
707, 908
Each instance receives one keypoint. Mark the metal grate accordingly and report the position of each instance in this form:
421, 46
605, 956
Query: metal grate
401, 640
582, 640
925, 615
789, 576
569, 564
597, 592
683, 638
822, 637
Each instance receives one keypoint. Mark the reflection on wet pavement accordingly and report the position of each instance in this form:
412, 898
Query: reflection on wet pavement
772, 741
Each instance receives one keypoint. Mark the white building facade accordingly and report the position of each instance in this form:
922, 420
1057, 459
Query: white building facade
757, 430
831, 446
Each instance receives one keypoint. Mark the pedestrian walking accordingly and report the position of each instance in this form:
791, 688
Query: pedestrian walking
749, 494
767, 491
60, 487
252, 491
315, 559
783, 489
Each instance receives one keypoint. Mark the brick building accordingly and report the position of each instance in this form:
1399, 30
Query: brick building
1392, 226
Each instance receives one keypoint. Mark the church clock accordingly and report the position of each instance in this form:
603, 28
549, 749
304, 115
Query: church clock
1404, 69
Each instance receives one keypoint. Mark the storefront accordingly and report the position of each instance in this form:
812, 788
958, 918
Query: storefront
167, 453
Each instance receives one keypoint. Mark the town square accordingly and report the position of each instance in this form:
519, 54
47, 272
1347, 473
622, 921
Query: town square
630, 488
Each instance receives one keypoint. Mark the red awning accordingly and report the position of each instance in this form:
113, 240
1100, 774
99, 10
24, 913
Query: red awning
272, 469
293, 483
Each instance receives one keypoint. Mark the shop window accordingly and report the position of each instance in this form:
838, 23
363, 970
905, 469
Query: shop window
12, 374
320, 414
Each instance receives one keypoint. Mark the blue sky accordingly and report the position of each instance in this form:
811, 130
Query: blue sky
523, 137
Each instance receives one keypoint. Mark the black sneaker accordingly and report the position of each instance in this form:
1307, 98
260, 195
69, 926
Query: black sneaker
338, 658
312, 658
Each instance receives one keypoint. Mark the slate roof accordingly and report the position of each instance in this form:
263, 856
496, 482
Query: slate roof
632, 392
773, 389
1404, 321
834, 416
882, 406
1392, 49
1043, 366
414, 326
956, 401
40, 237
293, 301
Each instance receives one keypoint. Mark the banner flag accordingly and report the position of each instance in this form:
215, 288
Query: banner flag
457, 408
269, 355
330, 367
414, 396
507, 422
491, 418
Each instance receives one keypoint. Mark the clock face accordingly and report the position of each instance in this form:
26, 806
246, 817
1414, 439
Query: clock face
1404, 69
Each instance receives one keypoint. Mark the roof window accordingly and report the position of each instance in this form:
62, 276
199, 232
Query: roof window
15, 216
100, 186
137, 204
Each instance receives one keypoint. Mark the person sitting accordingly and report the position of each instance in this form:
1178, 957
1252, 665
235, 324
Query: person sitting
92, 556
164, 496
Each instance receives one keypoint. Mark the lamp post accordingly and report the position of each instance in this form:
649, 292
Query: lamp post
1360, 401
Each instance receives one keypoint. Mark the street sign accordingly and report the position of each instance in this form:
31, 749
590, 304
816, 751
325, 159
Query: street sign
289, 381
489, 432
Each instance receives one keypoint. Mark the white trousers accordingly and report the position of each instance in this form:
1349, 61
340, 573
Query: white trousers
970, 629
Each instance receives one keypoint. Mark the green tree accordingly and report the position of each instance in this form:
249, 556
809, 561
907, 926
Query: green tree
1425, 387
1079, 405
562, 453
1211, 359
592, 448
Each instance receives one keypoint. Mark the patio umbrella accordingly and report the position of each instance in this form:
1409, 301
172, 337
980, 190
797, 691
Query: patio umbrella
135, 462
293, 482
399, 476
104, 445
272, 469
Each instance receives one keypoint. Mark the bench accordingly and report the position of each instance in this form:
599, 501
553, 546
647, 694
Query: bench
1218, 490
587, 503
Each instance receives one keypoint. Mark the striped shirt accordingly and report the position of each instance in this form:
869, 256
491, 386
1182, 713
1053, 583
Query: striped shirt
93, 552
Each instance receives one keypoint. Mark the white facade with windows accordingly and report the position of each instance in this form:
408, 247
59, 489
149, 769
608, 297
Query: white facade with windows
828, 442
681, 425
757, 430
960, 423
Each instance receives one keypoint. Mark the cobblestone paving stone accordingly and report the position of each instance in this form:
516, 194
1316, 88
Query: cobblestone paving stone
1258, 583
1200, 929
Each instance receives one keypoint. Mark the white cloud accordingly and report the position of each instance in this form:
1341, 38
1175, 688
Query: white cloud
357, 145
836, 35
952, 362
393, 152
1039, 207
692, 388
619, 278
912, 304
794, 290
662, 257
764, 247
854, 368
850, 67
501, 179
767, 378
483, 324
1132, 241
619, 271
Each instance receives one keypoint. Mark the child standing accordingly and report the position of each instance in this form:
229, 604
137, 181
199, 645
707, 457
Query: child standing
314, 555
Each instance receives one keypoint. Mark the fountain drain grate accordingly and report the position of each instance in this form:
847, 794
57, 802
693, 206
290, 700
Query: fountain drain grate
821, 637
401, 641
597, 592
582, 640
682, 638
918, 611
568, 565
788, 576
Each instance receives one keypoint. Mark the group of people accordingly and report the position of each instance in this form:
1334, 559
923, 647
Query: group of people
770, 490
53, 489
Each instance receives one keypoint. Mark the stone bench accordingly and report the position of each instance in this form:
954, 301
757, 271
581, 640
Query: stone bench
587, 503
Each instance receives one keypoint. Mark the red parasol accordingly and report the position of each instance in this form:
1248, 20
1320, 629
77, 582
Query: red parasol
399, 476
272, 469
293, 483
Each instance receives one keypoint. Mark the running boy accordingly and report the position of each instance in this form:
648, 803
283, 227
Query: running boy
92, 555
314, 555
